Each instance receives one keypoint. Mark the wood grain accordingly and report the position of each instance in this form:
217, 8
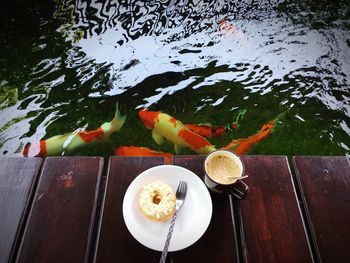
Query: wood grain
17, 180
272, 226
325, 188
115, 243
62, 216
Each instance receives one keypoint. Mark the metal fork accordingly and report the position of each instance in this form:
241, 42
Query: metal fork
180, 197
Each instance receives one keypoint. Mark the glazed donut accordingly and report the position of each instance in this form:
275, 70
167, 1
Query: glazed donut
157, 201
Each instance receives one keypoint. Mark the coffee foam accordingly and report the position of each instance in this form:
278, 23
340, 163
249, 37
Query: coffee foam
223, 168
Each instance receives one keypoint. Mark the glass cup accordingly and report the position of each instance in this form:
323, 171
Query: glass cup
224, 172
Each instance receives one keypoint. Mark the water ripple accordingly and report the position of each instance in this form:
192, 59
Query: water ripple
198, 60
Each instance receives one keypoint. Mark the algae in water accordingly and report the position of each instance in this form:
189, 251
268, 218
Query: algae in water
8, 95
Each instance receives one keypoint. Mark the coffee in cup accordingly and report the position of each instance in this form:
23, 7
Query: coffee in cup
223, 173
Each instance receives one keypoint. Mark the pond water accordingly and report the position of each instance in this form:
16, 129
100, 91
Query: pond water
66, 64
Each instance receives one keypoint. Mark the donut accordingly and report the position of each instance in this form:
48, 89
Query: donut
157, 201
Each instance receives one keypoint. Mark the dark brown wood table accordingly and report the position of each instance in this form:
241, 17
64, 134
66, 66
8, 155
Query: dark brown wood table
325, 190
68, 209
17, 180
61, 214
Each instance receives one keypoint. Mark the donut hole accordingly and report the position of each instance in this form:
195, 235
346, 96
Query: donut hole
156, 198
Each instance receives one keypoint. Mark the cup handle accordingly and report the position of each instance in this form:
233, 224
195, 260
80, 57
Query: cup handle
240, 189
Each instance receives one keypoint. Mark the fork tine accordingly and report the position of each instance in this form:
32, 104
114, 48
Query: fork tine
178, 189
181, 190
184, 188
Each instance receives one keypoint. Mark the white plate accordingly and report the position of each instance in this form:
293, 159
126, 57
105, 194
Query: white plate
192, 220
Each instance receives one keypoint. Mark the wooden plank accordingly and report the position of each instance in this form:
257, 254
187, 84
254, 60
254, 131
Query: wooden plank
115, 243
62, 216
17, 179
325, 190
218, 242
272, 226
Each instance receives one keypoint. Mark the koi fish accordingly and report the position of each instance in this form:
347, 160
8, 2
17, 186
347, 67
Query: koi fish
141, 151
229, 28
164, 126
207, 130
242, 146
58, 144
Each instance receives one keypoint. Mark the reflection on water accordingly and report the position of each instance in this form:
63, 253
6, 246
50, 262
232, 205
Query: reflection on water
201, 61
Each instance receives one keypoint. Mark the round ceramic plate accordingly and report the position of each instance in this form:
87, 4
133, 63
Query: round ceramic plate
193, 217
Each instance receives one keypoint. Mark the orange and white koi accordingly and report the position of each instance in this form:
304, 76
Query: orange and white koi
164, 126
69, 142
141, 151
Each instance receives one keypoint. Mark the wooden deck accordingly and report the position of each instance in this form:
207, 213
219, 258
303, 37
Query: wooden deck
69, 209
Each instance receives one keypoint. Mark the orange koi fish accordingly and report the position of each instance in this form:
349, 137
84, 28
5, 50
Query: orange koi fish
228, 28
71, 141
242, 146
206, 130
164, 126
141, 151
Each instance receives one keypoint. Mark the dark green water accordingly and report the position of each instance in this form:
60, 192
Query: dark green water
63, 67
